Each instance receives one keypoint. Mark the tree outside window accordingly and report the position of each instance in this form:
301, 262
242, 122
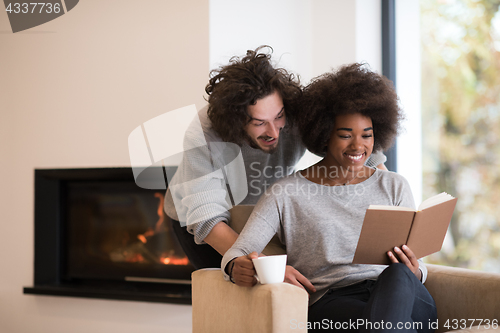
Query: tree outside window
461, 124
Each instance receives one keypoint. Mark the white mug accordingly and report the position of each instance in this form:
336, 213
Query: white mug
270, 269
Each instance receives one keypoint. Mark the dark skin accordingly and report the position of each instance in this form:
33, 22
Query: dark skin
406, 256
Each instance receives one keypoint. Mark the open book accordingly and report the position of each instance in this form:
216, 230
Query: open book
422, 230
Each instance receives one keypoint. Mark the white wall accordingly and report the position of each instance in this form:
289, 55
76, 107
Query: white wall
71, 91
285, 25
346, 32
369, 33
309, 37
408, 69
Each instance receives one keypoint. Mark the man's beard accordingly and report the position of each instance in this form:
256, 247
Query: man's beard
255, 145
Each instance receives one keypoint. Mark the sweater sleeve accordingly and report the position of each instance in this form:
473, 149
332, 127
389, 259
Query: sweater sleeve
261, 226
197, 195
423, 269
375, 159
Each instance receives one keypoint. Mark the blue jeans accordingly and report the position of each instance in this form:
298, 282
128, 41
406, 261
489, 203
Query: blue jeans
396, 302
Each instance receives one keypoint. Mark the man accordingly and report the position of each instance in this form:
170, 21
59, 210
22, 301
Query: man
251, 106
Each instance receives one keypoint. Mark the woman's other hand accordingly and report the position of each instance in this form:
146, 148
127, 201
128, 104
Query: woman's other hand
406, 256
294, 277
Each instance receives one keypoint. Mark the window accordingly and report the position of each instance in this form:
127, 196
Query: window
459, 51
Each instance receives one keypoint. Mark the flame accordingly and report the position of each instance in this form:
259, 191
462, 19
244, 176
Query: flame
167, 258
142, 238
160, 225
136, 258
174, 261
160, 211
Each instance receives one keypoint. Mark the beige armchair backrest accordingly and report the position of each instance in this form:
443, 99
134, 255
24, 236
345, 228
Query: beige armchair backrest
239, 217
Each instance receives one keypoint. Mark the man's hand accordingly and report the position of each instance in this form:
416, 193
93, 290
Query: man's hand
243, 272
407, 257
294, 277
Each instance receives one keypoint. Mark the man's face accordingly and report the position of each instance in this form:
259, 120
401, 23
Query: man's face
267, 119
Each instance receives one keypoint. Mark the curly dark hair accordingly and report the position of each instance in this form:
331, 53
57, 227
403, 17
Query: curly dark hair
351, 89
232, 88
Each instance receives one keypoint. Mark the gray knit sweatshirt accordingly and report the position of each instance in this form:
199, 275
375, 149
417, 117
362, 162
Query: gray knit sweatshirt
320, 226
198, 195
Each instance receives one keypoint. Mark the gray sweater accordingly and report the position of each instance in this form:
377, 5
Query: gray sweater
198, 195
320, 226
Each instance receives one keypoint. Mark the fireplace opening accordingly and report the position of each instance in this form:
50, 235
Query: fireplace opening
117, 229
97, 234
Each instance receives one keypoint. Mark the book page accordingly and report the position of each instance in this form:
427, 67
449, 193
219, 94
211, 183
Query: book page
435, 200
382, 207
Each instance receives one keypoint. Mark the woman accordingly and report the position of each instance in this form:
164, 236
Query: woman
318, 213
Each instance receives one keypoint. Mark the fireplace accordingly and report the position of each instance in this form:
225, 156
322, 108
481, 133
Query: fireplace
99, 235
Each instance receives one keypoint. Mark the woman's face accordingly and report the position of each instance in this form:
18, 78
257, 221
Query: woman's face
351, 141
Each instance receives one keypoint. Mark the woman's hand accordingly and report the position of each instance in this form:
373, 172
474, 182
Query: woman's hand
294, 277
243, 271
407, 257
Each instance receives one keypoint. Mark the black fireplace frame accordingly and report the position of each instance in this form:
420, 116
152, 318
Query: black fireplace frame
49, 245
